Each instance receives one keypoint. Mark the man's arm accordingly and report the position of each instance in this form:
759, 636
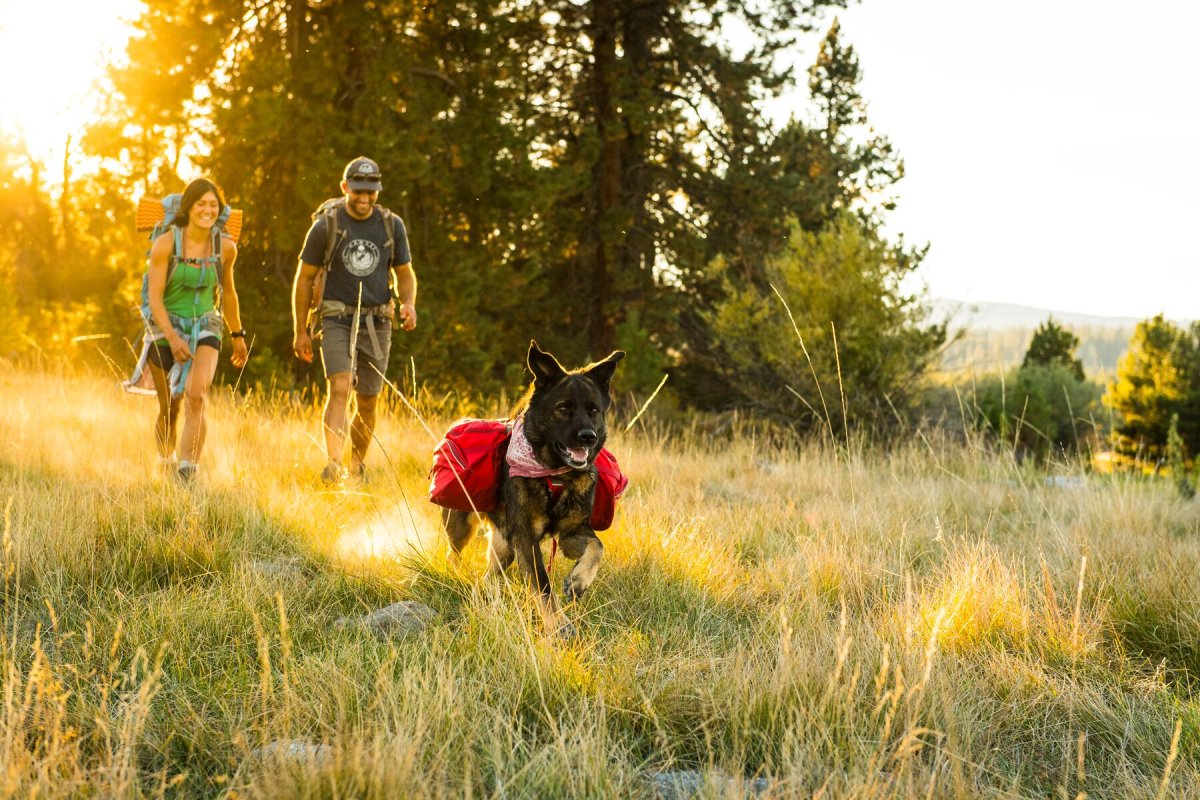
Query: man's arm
406, 289
302, 298
404, 278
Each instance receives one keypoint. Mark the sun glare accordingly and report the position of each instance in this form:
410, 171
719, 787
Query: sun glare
51, 54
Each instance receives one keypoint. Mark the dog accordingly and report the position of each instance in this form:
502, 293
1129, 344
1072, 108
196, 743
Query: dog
559, 426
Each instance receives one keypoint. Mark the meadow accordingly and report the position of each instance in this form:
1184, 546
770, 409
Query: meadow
773, 617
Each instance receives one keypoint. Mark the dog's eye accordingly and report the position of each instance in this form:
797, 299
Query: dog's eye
593, 410
563, 410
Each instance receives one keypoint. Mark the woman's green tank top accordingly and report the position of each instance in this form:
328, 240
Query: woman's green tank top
190, 290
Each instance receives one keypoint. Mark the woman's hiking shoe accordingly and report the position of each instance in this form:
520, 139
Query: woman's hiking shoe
359, 474
334, 474
187, 472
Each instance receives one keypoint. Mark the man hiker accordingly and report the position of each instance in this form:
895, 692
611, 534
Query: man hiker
355, 256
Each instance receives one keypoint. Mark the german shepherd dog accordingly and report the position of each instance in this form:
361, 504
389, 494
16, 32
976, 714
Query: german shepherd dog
563, 417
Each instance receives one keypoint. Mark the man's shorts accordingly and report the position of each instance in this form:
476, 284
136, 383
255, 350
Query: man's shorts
335, 351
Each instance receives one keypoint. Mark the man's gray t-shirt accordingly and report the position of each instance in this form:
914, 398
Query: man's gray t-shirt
360, 258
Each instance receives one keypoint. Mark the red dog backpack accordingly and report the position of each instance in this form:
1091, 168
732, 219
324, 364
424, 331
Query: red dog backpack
466, 465
610, 485
466, 471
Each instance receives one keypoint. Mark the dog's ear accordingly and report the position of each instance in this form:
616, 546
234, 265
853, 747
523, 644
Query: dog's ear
545, 367
602, 371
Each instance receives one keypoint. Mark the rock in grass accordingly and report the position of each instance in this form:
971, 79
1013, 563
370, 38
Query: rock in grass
685, 783
295, 752
281, 568
1066, 482
404, 618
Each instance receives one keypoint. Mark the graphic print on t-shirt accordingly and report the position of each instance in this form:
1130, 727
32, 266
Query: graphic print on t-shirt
360, 256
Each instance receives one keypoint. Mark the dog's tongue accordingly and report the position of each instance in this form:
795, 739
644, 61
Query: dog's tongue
577, 454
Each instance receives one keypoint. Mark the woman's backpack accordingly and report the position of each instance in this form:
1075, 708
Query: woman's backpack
155, 216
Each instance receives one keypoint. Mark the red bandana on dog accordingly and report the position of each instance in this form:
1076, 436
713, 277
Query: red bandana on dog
522, 463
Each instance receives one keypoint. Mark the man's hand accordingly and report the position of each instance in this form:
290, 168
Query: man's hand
241, 353
408, 316
302, 346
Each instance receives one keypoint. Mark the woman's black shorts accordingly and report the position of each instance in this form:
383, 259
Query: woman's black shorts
161, 357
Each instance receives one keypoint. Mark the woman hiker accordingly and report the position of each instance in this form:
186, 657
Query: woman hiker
191, 266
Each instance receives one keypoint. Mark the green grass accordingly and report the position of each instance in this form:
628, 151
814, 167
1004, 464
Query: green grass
929, 621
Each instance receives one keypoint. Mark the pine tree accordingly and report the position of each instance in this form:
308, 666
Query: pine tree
1054, 344
1148, 389
851, 350
1188, 358
818, 178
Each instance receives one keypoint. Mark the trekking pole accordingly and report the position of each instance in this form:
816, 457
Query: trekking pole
354, 338
249, 350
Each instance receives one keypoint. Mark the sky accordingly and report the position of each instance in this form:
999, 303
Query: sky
51, 51
1052, 148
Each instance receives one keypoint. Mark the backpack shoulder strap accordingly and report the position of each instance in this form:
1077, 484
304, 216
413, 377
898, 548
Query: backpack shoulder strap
176, 251
333, 232
389, 226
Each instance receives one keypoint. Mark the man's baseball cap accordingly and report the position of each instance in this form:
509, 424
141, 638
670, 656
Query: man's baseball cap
363, 175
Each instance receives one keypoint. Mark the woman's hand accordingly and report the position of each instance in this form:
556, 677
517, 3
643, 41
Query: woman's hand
179, 349
241, 353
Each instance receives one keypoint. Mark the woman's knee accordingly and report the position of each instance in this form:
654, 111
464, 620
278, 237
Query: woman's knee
195, 398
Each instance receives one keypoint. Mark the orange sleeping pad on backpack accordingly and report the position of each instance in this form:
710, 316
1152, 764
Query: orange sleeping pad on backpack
150, 212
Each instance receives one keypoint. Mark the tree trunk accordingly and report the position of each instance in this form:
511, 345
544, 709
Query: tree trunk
604, 228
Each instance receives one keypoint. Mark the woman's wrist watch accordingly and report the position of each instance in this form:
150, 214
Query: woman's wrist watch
238, 334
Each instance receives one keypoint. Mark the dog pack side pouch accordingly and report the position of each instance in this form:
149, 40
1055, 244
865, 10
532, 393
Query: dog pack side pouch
610, 485
466, 465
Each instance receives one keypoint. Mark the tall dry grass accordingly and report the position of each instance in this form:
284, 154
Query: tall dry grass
927, 621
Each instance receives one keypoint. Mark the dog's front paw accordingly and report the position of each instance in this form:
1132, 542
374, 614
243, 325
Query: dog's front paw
573, 588
567, 632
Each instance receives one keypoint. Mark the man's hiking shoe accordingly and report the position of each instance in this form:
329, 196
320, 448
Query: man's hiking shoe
187, 473
359, 474
333, 474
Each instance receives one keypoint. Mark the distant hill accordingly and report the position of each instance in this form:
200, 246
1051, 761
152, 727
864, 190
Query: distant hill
998, 334
995, 316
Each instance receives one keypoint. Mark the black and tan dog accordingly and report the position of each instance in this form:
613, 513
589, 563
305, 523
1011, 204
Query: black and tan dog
548, 481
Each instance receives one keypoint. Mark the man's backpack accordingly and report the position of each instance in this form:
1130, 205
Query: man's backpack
156, 215
334, 236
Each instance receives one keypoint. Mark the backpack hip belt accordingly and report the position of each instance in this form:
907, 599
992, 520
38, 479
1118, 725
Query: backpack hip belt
193, 329
336, 309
